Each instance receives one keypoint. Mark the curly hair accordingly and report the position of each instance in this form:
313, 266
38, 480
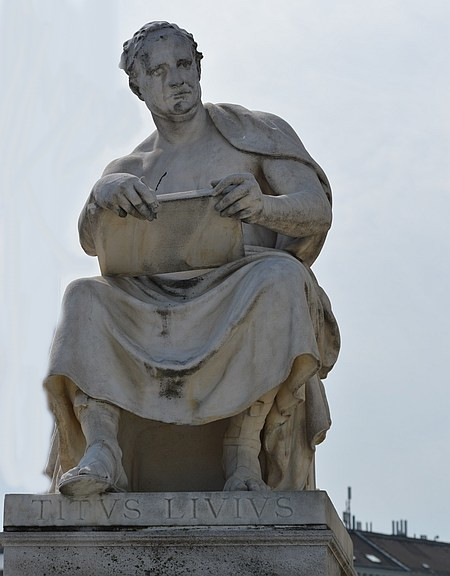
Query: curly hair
132, 50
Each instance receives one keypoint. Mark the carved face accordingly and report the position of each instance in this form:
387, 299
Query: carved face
168, 78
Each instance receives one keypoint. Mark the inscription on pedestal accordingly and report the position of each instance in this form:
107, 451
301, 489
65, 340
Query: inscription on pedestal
158, 509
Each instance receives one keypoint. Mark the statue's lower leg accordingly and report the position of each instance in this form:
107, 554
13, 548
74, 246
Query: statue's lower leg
100, 469
242, 445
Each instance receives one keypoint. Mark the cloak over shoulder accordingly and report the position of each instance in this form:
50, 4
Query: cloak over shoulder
268, 135
187, 352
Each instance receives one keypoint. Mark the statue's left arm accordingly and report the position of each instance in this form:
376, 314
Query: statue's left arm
293, 203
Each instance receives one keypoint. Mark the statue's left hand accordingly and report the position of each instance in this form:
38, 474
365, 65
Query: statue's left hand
242, 197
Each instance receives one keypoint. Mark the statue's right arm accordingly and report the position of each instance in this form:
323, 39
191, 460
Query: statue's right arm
121, 190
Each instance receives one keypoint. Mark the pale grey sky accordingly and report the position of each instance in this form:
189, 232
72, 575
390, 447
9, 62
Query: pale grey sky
366, 86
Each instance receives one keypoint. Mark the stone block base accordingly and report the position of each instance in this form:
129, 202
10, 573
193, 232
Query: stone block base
276, 534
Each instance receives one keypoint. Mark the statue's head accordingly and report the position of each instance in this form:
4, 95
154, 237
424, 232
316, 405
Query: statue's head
137, 51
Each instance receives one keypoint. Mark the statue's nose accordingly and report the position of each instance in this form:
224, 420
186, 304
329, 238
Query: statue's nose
175, 78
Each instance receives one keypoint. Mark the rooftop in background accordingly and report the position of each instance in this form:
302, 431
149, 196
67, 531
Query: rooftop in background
382, 554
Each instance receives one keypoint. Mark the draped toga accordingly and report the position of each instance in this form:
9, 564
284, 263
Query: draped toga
194, 348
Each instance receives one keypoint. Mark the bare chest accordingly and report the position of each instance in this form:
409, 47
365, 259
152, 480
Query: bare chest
194, 167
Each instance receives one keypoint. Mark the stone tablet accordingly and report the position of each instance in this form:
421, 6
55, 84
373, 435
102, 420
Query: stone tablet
144, 509
188, 234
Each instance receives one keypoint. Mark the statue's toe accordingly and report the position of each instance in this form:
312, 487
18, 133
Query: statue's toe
94, 469
257, 485
245, 480
72, 473
234, 484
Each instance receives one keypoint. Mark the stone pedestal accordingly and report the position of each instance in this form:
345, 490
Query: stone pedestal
197, 533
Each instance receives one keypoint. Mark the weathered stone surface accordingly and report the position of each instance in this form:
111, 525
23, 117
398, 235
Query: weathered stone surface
178, 551
171, 509
206, 309
297, 533
187, 222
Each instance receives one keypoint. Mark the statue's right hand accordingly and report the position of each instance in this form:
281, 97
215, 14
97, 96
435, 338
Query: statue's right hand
126, 194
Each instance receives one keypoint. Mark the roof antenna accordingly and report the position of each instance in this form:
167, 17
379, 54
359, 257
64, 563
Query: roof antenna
347, 515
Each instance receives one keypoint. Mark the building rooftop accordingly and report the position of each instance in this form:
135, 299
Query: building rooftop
397, 554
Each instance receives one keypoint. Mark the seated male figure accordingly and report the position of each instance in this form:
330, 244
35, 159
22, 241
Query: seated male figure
249, 340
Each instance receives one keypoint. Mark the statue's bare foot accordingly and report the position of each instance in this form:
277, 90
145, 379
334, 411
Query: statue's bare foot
100, 470
244, 478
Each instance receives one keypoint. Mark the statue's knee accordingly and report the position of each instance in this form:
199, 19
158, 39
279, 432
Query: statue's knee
80, 285
80, 291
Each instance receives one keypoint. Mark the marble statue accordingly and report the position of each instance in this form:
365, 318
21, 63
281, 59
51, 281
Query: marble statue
247, 342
